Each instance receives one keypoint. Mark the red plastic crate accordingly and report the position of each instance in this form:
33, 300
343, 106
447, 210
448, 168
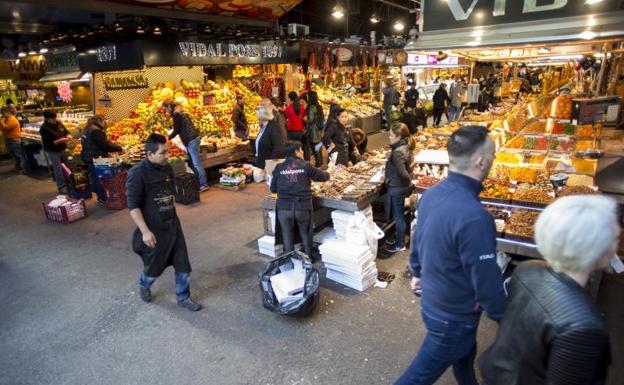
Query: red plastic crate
115, 191
65, 214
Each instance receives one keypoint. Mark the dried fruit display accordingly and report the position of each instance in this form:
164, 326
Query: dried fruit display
561, 107
521, 223
508, 157
496, 190
576, 190
562, 144
523, 174
517, 142
585, 130
579, 180
585, 166
535, 127
583, 145
500, 172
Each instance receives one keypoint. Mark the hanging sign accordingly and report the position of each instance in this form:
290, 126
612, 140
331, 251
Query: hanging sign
62, 62
124, 82
65, 92
30, 68
112, 57
343, 54
453, 14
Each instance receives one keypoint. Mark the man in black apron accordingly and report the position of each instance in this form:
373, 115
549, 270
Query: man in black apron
291, 181
158, 238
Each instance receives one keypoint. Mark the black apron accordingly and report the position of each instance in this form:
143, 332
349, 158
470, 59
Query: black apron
160, 216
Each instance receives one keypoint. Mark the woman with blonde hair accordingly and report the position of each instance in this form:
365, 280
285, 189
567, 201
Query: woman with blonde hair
269, 143
552, 332
398, 182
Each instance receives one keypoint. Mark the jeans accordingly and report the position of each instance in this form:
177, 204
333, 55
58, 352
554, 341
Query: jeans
17, 153
447, 343
56, 158
182, 284
398, 214
388, 116
96, 185
193, 151
437, 116
287, 219
454, 113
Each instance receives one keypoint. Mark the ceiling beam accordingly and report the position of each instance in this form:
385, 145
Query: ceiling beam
108, 6
395, 5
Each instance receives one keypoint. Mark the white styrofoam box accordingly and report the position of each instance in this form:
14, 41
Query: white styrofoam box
327, 234
266, 246
343, 249
351, 270
354, 284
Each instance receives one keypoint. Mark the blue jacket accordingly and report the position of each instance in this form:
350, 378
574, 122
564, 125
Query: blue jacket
454, 252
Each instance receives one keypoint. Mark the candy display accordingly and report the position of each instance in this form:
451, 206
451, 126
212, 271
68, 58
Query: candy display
497, 190
523, 174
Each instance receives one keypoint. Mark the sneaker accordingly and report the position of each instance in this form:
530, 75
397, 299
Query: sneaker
390, 242
146, 294
204, 188
395, 248
189, 304
101, 203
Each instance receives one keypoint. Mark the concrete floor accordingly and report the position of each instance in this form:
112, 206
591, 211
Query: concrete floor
70, 312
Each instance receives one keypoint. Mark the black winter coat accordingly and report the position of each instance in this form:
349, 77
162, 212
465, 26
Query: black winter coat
183, 126
441, 99
292, 180
398, 170
95, 144
551, 333
270, 144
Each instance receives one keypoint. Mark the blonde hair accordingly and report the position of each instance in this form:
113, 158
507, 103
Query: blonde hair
574, 232
264, 114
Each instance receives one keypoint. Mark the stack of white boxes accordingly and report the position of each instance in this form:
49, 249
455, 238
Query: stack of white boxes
349, 263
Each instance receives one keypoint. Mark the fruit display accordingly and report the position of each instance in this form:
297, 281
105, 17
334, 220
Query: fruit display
562, 144
516, 143
576, 190
357, 105
540, 143
523, 174
521, 224
498, 190
561, 107
585, 130
535, 127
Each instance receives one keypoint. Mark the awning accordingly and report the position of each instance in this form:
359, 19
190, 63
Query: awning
62, 76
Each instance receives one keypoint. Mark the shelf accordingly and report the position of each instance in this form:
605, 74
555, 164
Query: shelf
512, 206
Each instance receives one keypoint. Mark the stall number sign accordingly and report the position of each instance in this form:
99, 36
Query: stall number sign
193, 49
431, 60
125, 82
106, 54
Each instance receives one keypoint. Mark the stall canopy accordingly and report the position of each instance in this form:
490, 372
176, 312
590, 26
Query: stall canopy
453, 23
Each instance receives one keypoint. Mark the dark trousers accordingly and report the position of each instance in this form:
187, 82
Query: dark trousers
96, 185
17, 153
447, 343
301, 137
398, 214
437, 115
287, 220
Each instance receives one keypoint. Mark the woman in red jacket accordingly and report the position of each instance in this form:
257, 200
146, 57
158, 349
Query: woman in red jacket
295, 125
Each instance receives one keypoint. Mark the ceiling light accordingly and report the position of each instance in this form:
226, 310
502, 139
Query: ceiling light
140, 30
338, 11
477, 33
479, 15
588, 35
374, 18
91, 52
21, 54
43, 50
32, 52
591, 21
592, 1
399, 26
157, 30
207, 29
118, 27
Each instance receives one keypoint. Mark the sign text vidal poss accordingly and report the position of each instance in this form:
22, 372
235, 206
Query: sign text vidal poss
229, 50
499, 7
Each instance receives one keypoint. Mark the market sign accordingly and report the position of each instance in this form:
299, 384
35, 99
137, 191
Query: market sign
454, 14
62, 62
196, 52
124, 82
30, 68
430, 59
112, 57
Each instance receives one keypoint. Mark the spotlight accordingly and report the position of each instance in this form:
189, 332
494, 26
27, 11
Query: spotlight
32, 52
21, 54
399, 26
43, 50
375, 18
338, 11
207, 29
117, 26
588, 35
157, 30
140, 30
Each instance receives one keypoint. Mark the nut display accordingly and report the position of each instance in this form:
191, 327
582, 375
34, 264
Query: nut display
523, 174
495, 189
533, 195
522, 223
576, 190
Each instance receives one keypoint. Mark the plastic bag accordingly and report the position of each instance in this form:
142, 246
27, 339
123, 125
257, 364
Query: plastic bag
298, 308
364, 231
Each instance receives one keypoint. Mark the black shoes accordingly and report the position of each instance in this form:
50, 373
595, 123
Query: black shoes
189, 304
146, 294
395, 248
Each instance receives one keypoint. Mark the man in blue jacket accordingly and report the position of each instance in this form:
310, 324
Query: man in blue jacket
453, 260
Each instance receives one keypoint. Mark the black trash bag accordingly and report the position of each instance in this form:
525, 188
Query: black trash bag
311, 289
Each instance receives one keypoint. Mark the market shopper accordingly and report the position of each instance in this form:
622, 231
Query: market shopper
241, 129
398, 182
295, 113
158, 238
279, 116
389, 100
552, 332
456, 91
95, 145
183, 126
269, 143
291, 181
337, 139
314, 126
453, 261
440, 101
411, 95
12, 132
54, 137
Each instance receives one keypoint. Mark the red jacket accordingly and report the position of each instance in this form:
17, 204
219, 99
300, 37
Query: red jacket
294, 122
